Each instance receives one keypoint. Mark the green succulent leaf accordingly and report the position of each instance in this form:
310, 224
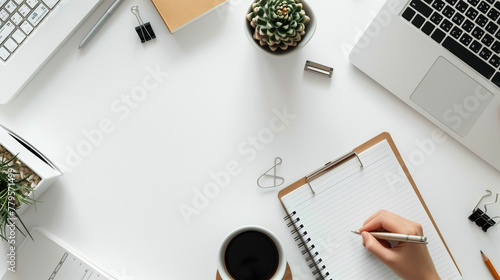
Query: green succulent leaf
278, 23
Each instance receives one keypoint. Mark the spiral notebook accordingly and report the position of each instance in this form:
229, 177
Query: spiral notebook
326, 205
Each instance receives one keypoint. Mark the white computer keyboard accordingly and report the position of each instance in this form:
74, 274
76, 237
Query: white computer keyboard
18, 19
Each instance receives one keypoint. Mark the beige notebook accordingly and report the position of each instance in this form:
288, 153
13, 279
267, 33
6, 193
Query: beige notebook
350, 190
178, 13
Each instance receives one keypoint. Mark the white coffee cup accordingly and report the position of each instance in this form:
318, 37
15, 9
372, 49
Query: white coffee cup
280, 271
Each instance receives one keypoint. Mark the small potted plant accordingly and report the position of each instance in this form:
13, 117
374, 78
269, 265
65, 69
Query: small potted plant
17, 183
25, 174
280, 26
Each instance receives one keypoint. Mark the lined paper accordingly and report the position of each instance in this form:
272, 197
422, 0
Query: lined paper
345, 197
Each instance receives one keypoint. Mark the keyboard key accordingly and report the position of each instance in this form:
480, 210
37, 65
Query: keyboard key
2, 2
10, 7
38, 14
493, 14
4, 15
10, 45
477, 33
483, 7
468, 25
428, 28
481, 20
418, 21
475, 46
32, 3
446, 25
438, 35
458, 19
19, 36
5, 30
496, 47
487, 40
421, 7
448, 11
4, 53
496, 79
468, 57
428, 1
50, 3
451, 2
456, 32
438, 5
491, 28
26, 28
408, 14
465, 39
485, 53
462, 6
471, 13
24, 10
495, 61
18, 2
497, 5
16, 18
436, 18
473, 2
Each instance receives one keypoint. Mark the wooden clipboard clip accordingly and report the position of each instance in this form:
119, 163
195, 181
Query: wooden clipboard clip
330, 165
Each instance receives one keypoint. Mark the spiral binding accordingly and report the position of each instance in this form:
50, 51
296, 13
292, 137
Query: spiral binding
308, 250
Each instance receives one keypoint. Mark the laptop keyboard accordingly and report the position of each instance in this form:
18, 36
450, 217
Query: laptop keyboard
18, 19
467, 28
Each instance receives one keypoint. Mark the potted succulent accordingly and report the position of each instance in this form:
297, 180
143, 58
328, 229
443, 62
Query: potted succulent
280, 26
25, 174
17, 183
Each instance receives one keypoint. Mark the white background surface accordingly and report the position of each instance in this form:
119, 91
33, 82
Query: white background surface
119, 206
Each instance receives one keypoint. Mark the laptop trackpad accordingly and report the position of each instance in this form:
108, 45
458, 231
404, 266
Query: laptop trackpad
451, 96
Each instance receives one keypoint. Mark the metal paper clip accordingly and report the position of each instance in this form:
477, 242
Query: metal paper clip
277, 161
143, 26
318, 68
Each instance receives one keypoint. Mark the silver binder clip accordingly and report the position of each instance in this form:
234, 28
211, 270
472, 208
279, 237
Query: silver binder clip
318, 68
277, 180
483, 220
143, 27
330, 165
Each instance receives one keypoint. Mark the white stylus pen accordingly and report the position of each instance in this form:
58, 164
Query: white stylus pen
401, 237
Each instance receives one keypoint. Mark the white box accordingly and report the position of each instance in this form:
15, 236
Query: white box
33, 159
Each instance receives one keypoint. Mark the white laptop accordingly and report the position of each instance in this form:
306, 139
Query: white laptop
442, 58
31, 31
48, 258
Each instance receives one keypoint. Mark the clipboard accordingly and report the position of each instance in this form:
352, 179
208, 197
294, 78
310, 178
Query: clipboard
309, 180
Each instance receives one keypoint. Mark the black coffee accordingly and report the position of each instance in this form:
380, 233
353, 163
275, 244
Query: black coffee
251, 255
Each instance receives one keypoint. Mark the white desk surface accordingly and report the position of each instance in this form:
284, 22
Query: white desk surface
120, 205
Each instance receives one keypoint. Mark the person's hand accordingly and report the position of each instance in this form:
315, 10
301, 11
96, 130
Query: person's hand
408, 260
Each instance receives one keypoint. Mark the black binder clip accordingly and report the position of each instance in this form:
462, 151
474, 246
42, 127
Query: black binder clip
144, 30
483, 220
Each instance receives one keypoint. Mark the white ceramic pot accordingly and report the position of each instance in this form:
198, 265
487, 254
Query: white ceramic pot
310, 29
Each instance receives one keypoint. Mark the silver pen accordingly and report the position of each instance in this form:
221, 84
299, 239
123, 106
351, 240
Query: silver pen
401, 237
98, 25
